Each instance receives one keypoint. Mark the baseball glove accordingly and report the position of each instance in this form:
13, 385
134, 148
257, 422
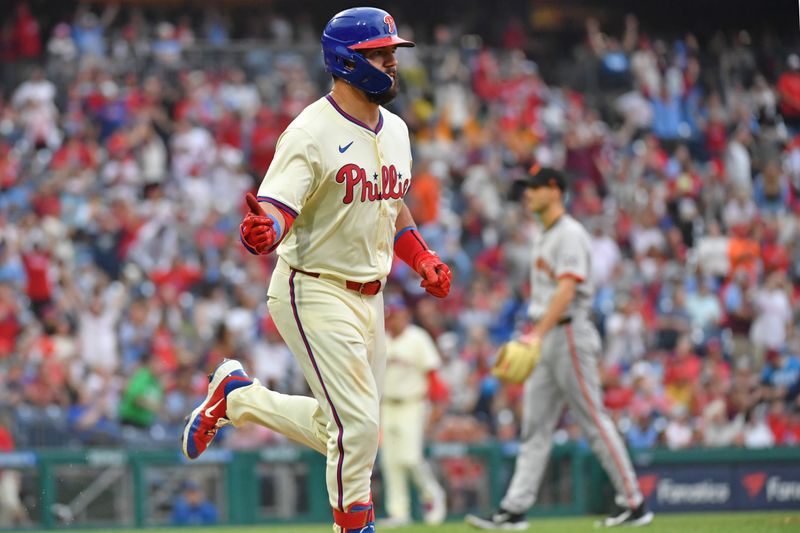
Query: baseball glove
516, 360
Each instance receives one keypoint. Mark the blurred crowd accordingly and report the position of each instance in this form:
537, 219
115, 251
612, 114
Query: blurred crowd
127, 148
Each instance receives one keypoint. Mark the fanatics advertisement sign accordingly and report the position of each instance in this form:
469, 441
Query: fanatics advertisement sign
690, 487
687, 487
769, 488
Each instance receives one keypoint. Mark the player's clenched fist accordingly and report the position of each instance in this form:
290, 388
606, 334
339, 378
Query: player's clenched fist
256, 230
436, 275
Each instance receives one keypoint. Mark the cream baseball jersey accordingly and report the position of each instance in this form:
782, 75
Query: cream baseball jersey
563, 249
345, 184
409, 358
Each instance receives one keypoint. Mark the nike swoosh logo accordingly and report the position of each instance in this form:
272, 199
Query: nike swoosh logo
209, 412
344, 149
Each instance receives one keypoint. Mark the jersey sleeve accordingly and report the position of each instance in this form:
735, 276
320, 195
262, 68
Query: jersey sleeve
573, 256
292, 175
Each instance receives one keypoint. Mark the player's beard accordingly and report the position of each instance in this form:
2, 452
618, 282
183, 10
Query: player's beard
386, 96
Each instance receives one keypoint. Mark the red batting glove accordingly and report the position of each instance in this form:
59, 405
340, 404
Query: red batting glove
436, 275
256, 231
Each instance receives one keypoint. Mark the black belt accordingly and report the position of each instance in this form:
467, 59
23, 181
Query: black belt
400, 401
562, 322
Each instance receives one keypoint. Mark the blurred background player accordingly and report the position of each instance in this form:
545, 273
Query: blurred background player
411, 403
567, 373
332, 205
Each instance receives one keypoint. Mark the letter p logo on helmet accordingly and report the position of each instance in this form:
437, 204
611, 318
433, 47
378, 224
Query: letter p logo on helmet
389, 22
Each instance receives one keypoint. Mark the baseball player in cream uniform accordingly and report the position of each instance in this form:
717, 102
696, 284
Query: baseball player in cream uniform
412, 361
332, 206
567, 373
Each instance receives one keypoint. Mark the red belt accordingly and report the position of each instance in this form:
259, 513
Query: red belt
370, 288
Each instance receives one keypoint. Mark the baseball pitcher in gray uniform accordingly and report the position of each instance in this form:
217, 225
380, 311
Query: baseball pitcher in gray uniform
567, 373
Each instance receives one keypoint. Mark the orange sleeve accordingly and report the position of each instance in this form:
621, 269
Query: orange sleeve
576, 277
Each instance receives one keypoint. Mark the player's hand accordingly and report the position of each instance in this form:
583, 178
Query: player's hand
256, 231
517, 359
436, 275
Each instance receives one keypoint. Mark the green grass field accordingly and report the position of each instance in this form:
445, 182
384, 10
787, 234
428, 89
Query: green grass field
678, 523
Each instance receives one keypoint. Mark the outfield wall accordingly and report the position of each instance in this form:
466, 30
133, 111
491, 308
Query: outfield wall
109, 487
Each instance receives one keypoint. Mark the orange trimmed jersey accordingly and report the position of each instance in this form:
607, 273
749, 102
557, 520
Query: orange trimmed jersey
562, 250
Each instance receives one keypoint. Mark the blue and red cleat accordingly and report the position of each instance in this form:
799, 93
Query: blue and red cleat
202, 425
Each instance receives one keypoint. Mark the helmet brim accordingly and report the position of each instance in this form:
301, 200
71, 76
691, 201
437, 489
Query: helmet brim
391, 40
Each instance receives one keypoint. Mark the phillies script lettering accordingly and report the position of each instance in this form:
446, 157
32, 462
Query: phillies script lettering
392, 185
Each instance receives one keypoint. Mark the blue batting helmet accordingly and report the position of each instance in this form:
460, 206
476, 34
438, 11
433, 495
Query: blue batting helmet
354, 29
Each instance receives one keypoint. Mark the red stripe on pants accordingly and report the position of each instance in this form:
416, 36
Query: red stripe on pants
574, 355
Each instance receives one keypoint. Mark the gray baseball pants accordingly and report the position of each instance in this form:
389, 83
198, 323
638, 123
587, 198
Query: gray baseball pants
567, 373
